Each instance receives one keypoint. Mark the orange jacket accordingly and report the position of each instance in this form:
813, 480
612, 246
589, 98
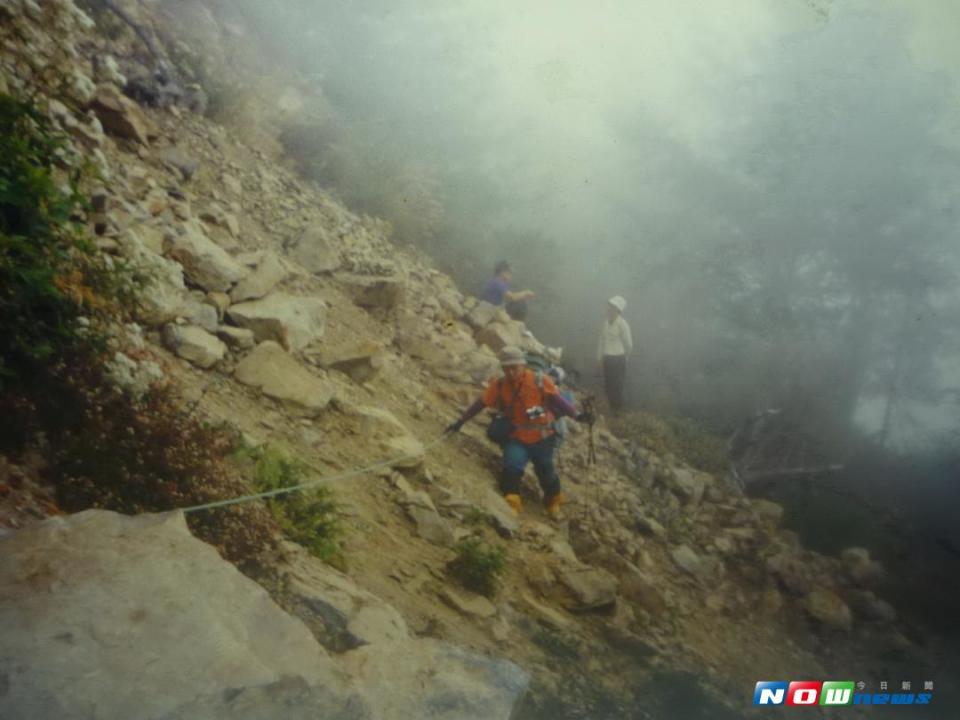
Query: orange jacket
524, 395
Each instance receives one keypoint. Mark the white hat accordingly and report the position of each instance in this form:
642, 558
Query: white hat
618, 302
511, 355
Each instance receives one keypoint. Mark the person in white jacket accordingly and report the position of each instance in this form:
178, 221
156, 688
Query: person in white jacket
616, 343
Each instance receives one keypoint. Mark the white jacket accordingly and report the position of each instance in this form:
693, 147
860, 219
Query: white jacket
615, 338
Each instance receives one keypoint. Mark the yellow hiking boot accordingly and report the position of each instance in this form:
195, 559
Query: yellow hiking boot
553, 505
514, 501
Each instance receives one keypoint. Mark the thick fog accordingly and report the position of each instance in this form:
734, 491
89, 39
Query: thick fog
770, 183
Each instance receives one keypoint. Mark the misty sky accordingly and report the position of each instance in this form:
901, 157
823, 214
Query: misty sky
770, 183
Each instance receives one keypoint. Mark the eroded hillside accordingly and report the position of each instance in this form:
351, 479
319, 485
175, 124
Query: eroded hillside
273, 310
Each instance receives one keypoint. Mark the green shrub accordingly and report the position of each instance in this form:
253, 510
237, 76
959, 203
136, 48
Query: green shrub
110, 451
309, 517
50, 275
104, 448
478, 566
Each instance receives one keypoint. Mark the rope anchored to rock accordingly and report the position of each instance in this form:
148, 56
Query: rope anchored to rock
310, 483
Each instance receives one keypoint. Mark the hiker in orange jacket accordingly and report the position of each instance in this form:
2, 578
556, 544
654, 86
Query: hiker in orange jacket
531, 403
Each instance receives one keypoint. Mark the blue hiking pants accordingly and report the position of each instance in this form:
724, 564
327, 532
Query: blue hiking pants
515, 457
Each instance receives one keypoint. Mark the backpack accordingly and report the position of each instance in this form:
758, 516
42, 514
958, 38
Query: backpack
542, 366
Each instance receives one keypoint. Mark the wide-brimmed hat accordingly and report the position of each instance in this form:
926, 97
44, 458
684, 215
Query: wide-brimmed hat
511, 355
618, 302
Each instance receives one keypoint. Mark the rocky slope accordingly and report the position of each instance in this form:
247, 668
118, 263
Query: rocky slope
275, 309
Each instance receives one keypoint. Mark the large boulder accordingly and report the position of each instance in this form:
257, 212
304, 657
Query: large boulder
860, 568
291, 320
119, 115
268, 273
200, 313
380, 295
237, 338
360, 361
590, 588
498, 335
194, 344
100, 617
179, 160
399, 675
271, 369
829, 609
405, 452
163, 292
705, 568
205, 263
484, 313
689, 485
315, 251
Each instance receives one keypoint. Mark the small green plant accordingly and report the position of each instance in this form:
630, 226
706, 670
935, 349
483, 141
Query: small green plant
309, 517
478, 566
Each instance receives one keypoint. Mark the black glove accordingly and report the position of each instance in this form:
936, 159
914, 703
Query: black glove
453, 427
586, 417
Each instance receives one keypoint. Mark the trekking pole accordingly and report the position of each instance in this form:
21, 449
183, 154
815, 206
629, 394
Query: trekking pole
590, 406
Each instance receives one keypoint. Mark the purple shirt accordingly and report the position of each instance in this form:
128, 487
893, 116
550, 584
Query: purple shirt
494, 290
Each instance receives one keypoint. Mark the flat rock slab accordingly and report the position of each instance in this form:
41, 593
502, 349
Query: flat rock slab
545, 614
102, 616
267, 274
316, 252
504, 519
470, 605
482, 314
271, 369
375, 293
592, 588
360, 362
496, 336
291, 320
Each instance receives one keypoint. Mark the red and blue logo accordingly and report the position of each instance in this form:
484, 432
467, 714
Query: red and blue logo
809, 693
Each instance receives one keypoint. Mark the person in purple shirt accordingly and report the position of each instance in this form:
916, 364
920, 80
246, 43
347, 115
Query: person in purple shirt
497, 292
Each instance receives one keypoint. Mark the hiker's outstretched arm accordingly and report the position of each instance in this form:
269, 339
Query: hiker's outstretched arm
477, 406
518, 296
472, 411
559, 406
